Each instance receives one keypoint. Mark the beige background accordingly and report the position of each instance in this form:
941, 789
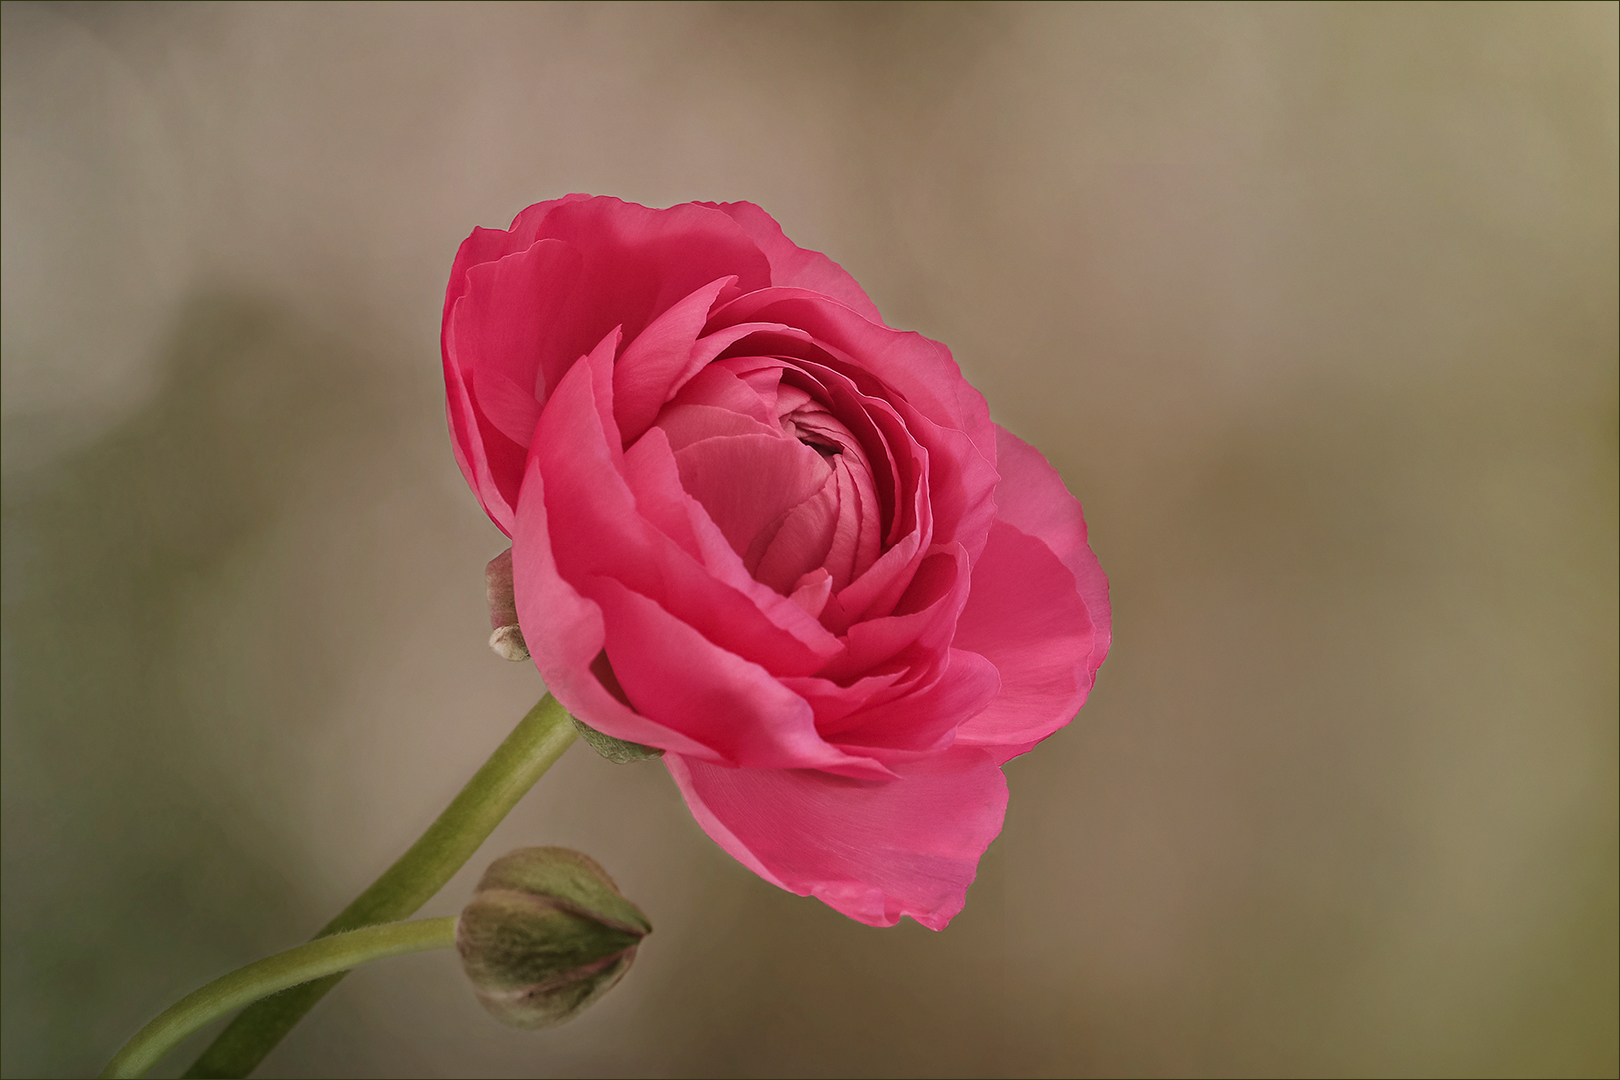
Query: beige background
1313, 306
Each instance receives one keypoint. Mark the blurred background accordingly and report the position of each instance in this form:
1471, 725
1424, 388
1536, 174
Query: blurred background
1313, 306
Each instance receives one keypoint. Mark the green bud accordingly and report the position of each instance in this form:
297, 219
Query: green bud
546, 934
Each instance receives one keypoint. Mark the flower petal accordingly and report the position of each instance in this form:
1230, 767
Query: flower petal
924, 618
925, 718
873, 850
717, 387
675, 676
749, 483
574, 633
609, 534
487, 245
511, 309
684, 425
922, 370
653, 476
1033, 499
1025, 615
803, 541
491, 463
641, 262
492, 338
797, 266
660, 359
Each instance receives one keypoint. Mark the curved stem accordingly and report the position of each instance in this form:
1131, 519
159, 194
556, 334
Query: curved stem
323, 956
534, 745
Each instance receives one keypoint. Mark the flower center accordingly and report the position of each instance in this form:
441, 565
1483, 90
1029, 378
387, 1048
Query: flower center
787, 482
820, 444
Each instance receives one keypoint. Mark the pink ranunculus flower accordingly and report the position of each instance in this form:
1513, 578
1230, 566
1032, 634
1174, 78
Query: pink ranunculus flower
759, 529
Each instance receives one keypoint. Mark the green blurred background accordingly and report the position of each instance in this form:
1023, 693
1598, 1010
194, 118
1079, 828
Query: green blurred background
1313, 306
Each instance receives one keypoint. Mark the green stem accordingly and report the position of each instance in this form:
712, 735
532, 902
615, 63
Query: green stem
323, 956
538, 741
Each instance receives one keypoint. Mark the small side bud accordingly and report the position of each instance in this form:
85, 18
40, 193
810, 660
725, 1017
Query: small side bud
508, 643
546, 934
506, 637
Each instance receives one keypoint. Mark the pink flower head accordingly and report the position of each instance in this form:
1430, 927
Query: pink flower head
757, 528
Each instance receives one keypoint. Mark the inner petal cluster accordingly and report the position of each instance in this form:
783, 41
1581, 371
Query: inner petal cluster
760, 444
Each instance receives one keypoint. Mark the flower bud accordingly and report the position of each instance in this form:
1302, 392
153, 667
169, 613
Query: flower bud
506, 637
546, 934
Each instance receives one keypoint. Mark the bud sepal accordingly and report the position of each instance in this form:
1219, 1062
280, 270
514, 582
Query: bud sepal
618, 751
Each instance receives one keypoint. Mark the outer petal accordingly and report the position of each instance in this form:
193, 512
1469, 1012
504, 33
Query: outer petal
873, 850
565, 631
511, 307
640, 263
796, 266
1026, 617
491, 343
924, 721
483, 454
1033, 499
487, 245
491, 462
677, 677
